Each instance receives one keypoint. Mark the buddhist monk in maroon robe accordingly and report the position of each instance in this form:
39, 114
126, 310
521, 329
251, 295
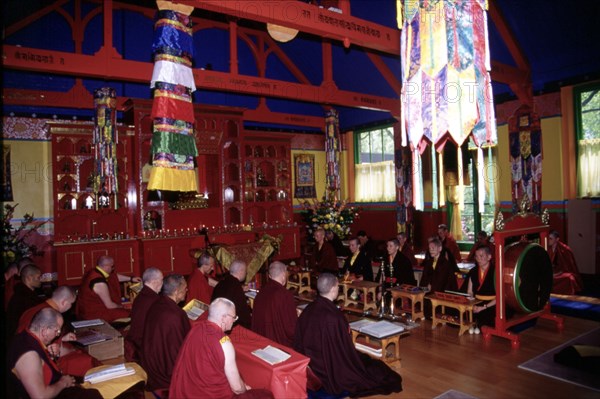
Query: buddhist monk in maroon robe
482, 240
406, 250
200, 285
567, 279
165, 329
231, 287
438, 272
323, 334
449, 243
206, 366
153, 281
25, 296
100, 293
323, 257
274, 314
71, 361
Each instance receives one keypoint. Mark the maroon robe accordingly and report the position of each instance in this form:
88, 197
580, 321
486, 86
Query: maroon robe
450, 243
139, 310
90, 306
22, 299
274, 315
324, 259
200, 368
198, 287
441, 278
9, 289
567, 279
232, 289
74, 363
165, 330
477, 245
407, 251
323, 334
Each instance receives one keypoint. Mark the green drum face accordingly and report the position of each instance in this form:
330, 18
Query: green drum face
527, 277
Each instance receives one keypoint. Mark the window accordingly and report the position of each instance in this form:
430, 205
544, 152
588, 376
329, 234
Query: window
375, 174
587, 114
472, 221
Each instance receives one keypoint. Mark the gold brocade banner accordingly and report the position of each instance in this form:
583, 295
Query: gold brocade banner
255, 254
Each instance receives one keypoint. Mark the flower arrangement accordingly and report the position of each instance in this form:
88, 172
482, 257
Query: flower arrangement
330, 214
14, 241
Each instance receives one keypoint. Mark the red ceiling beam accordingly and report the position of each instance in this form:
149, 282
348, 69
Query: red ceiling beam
103, 65
508, 36
310, 19
387, 74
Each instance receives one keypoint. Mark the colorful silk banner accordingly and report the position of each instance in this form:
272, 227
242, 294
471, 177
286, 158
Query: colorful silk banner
105, 139
446, 86
173, 142
332, 153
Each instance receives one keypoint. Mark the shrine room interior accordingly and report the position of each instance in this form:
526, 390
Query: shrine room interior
302, 109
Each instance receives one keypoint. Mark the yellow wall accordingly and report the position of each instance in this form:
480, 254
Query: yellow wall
31, 175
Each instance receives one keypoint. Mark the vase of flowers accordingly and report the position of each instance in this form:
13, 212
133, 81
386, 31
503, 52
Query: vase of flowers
15, 245
330, 214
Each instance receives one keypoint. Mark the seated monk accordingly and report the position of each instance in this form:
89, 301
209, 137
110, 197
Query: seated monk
323, 334
567, 279
449, 243
481, 285
25, 296
12, 276
71, 360
100, 293
357, 263
165, 329
274, 315
406, 249
482, 240
232, 288
200, 284
206, 366
323, 257
153, 282
33, 372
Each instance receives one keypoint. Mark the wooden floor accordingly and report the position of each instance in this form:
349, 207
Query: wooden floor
435, 361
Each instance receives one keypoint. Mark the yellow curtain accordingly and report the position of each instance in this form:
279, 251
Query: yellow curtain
456, 224
375, 182
589, 168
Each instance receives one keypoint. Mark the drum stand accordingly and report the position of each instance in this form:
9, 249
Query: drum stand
520, 225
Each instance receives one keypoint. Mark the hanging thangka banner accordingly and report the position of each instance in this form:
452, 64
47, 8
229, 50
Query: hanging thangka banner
305, 176
173, 144
404, 209
525, 139
7, 192
446, 85
105, 142
332, 153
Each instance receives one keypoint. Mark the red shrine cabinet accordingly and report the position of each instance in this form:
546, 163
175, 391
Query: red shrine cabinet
244, 192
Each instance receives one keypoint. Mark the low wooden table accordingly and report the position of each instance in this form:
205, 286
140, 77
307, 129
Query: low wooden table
383, 343
464, 306
411, 301
367, 288
299, 280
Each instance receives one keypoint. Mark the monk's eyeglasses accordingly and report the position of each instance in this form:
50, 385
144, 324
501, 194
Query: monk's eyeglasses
235, 318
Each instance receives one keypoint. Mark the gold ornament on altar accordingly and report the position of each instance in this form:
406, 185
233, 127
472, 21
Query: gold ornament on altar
191, 200
546, 217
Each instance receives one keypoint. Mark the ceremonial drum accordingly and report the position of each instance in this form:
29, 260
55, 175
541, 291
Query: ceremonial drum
527, 277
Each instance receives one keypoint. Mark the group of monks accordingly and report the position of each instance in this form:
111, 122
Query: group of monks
197, 359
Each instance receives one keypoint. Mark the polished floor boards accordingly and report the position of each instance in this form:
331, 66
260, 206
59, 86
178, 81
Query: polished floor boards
435, 361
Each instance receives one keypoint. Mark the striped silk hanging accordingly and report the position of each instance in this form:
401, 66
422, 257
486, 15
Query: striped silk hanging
173, 144
332, 153
446, 85
105, 139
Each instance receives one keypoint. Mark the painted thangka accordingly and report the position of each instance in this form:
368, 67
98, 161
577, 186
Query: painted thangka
304, 176
525, 139
332, 153
446, 85
7, 191
105, 140
173, 144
